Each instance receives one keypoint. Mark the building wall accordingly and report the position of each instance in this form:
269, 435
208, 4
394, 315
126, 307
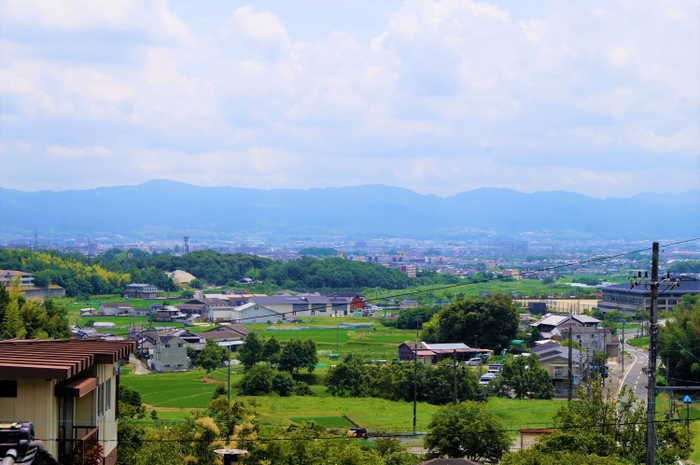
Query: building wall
259, 314
35, 402
171, 358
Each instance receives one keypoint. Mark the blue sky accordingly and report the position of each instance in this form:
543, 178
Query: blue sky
601, 98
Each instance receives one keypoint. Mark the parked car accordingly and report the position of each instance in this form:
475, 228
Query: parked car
474, 362
487, 378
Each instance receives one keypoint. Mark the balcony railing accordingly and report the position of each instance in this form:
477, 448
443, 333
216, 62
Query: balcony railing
85, 449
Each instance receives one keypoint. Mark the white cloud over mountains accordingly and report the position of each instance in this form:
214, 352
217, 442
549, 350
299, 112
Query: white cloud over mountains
595, 97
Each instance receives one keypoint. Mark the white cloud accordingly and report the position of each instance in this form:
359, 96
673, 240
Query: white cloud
450, 95
61, 152
151, 16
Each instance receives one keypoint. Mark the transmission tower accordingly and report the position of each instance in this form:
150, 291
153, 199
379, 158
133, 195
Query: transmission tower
186, 246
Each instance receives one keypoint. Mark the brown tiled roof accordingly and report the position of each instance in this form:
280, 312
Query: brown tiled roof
57, 359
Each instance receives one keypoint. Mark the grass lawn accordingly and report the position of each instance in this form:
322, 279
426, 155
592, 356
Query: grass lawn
639, 342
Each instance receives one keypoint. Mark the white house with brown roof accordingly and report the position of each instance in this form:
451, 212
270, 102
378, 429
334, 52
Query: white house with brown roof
67, 389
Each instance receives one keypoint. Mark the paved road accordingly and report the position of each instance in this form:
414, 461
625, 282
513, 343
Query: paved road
634, 377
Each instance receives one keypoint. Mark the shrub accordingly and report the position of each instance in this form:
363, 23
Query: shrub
283, 384
257, 381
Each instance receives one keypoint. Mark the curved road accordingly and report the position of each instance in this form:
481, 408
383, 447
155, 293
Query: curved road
634, 377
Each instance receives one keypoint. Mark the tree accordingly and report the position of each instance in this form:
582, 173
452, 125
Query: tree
297, 354
346, 379
678, 337
283, 384
251, 351
494, 322
309, 355
212, 355
229, 414
271, 350
525, 378
467, 430
257, 381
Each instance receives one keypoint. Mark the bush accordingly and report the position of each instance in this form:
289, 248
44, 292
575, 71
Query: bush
220, 391
283, 384
257, 381
302, 389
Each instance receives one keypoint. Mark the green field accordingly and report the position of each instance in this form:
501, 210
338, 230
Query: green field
175, 394
181, 390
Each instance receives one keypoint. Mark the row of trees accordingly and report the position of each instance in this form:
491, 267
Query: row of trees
394, 381
110, 272
293, 356
521, 377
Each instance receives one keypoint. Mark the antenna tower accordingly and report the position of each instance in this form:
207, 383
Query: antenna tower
186, 247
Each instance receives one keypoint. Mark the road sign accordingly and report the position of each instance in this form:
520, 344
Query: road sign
687, 400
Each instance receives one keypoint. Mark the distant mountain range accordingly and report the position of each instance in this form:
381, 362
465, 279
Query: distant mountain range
168, 209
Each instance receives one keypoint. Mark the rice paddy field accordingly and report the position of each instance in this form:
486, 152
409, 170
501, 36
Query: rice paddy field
176, 395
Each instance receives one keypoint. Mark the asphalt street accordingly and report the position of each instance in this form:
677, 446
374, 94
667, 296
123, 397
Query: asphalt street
634, 375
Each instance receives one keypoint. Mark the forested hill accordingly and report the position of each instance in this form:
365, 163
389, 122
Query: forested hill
167, 209
109, 273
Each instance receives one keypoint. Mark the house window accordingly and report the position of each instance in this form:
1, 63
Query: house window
167, 366
167, 346
108, 394
101, 400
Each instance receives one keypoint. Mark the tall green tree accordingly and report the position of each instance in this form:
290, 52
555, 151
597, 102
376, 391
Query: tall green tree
347, 378
489, 323
212, 355
525, 378
251, 351
467, 430
678, 340
271, 350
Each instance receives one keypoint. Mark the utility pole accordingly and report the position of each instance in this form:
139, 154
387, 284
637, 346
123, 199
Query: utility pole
653, 350
454, 379
571, 352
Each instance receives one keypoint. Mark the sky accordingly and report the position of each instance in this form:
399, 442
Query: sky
440, 97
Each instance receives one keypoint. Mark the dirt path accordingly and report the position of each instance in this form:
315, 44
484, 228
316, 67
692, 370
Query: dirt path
140, 368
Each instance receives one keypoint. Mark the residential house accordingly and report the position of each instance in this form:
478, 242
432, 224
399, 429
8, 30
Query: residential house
142, 291
552, 321
67, 389
116, 308
169, 354
431, 354
408, 304
168, 313
230, 335
594, 339
446, 461
555, 359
